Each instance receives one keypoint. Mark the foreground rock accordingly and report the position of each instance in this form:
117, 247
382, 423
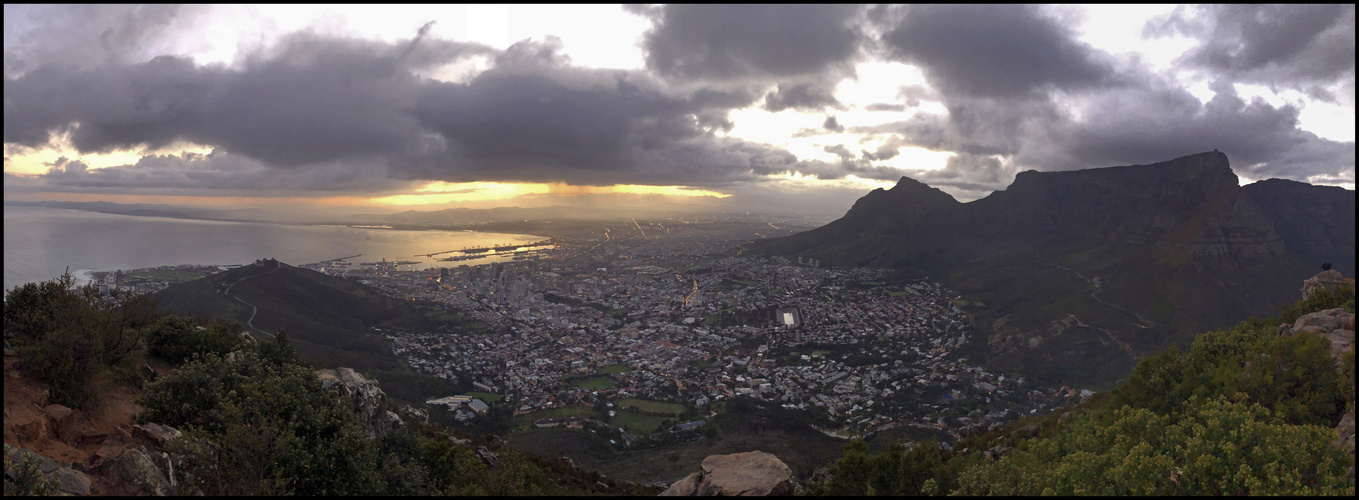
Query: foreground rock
68, 480
753, 473
367, 400
139, 474
161, 434
63, 421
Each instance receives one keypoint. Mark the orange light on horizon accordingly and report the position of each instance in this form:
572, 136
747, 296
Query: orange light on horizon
440, 192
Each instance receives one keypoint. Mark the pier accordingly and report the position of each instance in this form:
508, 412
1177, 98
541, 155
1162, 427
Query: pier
498, 248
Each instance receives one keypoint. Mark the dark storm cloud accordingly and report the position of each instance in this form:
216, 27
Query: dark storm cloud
307, 100
993, 50
351, 107
1294, 45
1022, 93
806, 96
724, 42
1147, 125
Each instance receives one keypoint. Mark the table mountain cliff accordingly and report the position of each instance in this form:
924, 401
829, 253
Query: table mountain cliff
1072, 275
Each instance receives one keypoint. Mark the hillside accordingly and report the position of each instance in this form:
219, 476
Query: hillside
1265, 407
329, 319
1082, 272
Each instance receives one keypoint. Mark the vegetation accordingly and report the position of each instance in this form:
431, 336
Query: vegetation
648, 406
1244, 411
25, 478
69, 336
254, 415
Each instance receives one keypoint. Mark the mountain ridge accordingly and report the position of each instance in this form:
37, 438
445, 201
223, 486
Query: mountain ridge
1179, 246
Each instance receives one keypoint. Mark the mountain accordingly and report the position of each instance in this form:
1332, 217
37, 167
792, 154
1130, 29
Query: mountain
1071, 276
328, 319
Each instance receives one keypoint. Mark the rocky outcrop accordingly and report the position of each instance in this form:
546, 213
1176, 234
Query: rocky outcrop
138, 474
366, 399
1329, 280
415, 413
753, 473
68, 480
161, 434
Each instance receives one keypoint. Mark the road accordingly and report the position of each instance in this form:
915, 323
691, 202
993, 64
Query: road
253, 310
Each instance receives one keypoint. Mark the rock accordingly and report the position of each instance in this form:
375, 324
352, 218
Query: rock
72, 481
105, 453
1345, 432
69, 481
63, 422
1329, 279
157, 432
490, 458
45, 465
139, 474
366, 399
1341, 341
997, 451
29, 426
754, 473
686, 487
415, 413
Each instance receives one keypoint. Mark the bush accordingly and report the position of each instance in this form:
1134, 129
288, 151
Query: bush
25, 478
68, 335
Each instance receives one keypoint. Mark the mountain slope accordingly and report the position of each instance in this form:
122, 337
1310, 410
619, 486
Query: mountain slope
1178, 246
328, 318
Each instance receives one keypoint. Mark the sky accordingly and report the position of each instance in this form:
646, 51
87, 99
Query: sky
780, 108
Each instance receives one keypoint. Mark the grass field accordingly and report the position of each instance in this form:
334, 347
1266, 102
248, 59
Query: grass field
650, 406
637, 423
594, 384
171, 275
527, 419
486, 396
612, 369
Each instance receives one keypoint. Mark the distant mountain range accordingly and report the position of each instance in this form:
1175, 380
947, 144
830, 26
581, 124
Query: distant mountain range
1070, 276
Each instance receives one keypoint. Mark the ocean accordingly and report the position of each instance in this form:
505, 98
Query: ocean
40, 243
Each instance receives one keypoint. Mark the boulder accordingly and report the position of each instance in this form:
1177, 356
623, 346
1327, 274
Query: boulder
754, 473
415, 413
161, 434
72, 481
487, 456
63, 421
68, 480
366, 399
686, 487
139, 474
1329, 279
1323, 321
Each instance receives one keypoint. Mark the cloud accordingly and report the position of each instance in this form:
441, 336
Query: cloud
1022, 93
832, 125
725, 42
1001, 51
806, 96
1292, 45
85, 36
